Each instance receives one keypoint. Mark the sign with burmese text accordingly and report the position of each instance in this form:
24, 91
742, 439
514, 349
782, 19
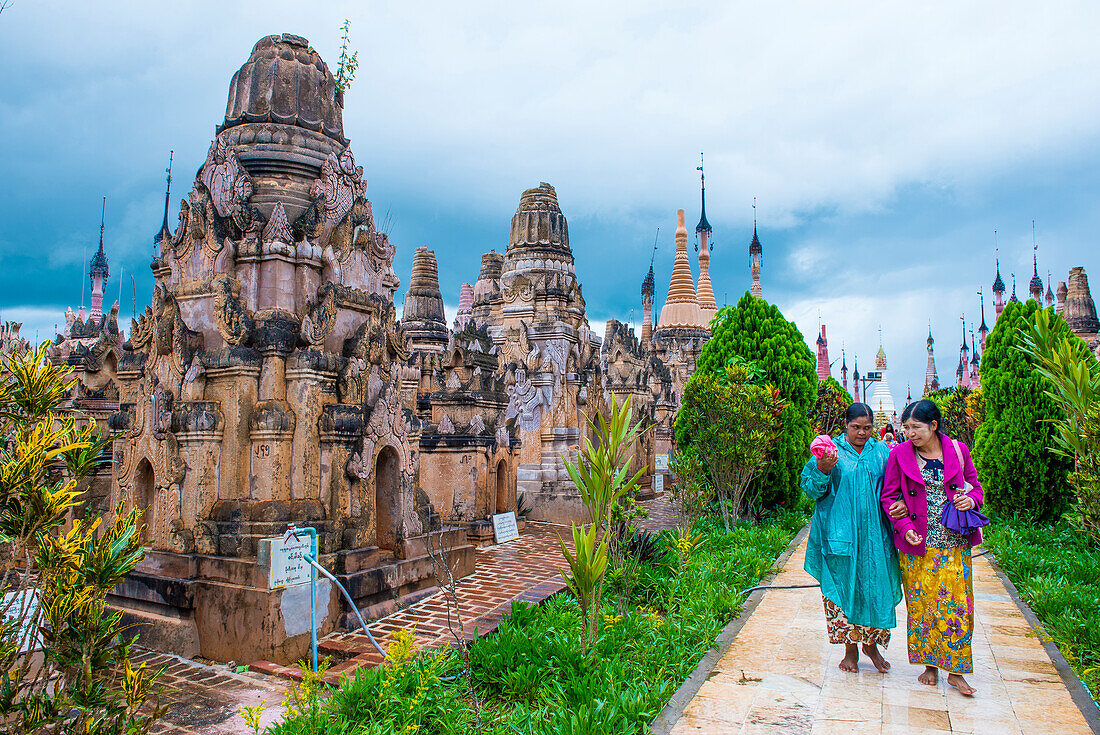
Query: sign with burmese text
505, 528
660, 462
658, 483
285, 560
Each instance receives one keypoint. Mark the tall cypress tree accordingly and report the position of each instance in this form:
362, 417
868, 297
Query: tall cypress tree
756, 330
1012, 447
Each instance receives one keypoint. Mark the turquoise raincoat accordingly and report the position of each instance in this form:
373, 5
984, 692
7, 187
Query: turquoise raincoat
851, 551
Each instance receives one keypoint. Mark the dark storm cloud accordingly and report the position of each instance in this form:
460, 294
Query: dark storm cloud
885, 142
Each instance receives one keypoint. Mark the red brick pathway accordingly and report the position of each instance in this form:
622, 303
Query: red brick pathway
206, 699
526, 570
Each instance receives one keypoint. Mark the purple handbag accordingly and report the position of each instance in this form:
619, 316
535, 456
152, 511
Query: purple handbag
963, 522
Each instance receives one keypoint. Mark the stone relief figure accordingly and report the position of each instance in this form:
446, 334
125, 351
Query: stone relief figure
194, 381
356, 468
320, 316
162, 411
234, 320
526, 402
340, 184
351, 382
220, 175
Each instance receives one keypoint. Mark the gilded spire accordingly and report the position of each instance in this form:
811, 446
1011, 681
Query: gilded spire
681, 307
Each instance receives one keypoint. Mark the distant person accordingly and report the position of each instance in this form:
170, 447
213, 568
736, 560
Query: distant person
849, 550
889, 439
922, 476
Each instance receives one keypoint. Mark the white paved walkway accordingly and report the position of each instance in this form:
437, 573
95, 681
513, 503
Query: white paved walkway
780, 675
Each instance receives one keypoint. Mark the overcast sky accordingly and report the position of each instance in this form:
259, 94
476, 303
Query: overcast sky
884, 142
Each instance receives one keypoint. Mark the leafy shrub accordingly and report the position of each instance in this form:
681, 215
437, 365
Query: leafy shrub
757, 331
1017, 466
827, 414
732, 426
83, 681
954, 404
536, 680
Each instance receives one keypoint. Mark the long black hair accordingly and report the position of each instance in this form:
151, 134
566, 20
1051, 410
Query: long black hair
924, 411
857, 410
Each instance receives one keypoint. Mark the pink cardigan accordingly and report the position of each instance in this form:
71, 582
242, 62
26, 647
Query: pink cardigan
903, 479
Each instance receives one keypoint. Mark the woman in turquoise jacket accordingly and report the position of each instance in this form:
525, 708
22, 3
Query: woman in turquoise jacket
851, 551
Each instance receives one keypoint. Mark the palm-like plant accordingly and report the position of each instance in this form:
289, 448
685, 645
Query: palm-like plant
53, 582
1073, 374
603, 477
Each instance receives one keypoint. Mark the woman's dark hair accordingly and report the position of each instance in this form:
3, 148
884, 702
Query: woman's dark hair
858, 410
924, 411
889, 429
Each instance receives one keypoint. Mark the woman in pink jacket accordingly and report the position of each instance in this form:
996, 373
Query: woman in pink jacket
922, 476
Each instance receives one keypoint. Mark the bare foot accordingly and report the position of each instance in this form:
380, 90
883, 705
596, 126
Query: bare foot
957, 681
873, 653
931, 676
850, 662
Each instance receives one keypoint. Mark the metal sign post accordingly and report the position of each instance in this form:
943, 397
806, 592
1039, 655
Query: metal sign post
292, 532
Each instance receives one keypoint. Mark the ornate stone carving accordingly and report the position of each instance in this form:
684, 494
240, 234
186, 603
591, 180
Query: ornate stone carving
446, 426
235, 323
225, 178
341, 182
319, 317
477, 425
356, 468
277, 229
526, 402
453, 381
162, 331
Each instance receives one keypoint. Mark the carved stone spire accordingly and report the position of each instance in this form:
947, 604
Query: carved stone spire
465, 306
681, 307
647, 308
1080, 309
422, 317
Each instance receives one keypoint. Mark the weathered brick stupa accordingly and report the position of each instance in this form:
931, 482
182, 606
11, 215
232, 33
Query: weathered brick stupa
529, 300
269, 382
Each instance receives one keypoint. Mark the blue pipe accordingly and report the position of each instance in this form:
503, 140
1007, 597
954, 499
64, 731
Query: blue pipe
312, 589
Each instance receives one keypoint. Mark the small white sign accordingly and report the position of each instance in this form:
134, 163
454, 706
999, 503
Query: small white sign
658, 483
23, 607
660, 462
286, 564
504, 527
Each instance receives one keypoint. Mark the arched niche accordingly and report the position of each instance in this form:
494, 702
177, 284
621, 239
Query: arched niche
387, 498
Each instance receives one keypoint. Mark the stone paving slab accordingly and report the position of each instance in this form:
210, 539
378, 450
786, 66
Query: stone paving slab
780, 675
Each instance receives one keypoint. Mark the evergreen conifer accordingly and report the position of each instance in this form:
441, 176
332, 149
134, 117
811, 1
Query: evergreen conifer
1018, 471
757, 331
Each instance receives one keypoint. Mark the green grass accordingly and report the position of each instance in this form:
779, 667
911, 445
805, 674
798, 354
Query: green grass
1057, 573
531, 674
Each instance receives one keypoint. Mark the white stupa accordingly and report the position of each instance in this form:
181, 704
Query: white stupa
882, 400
